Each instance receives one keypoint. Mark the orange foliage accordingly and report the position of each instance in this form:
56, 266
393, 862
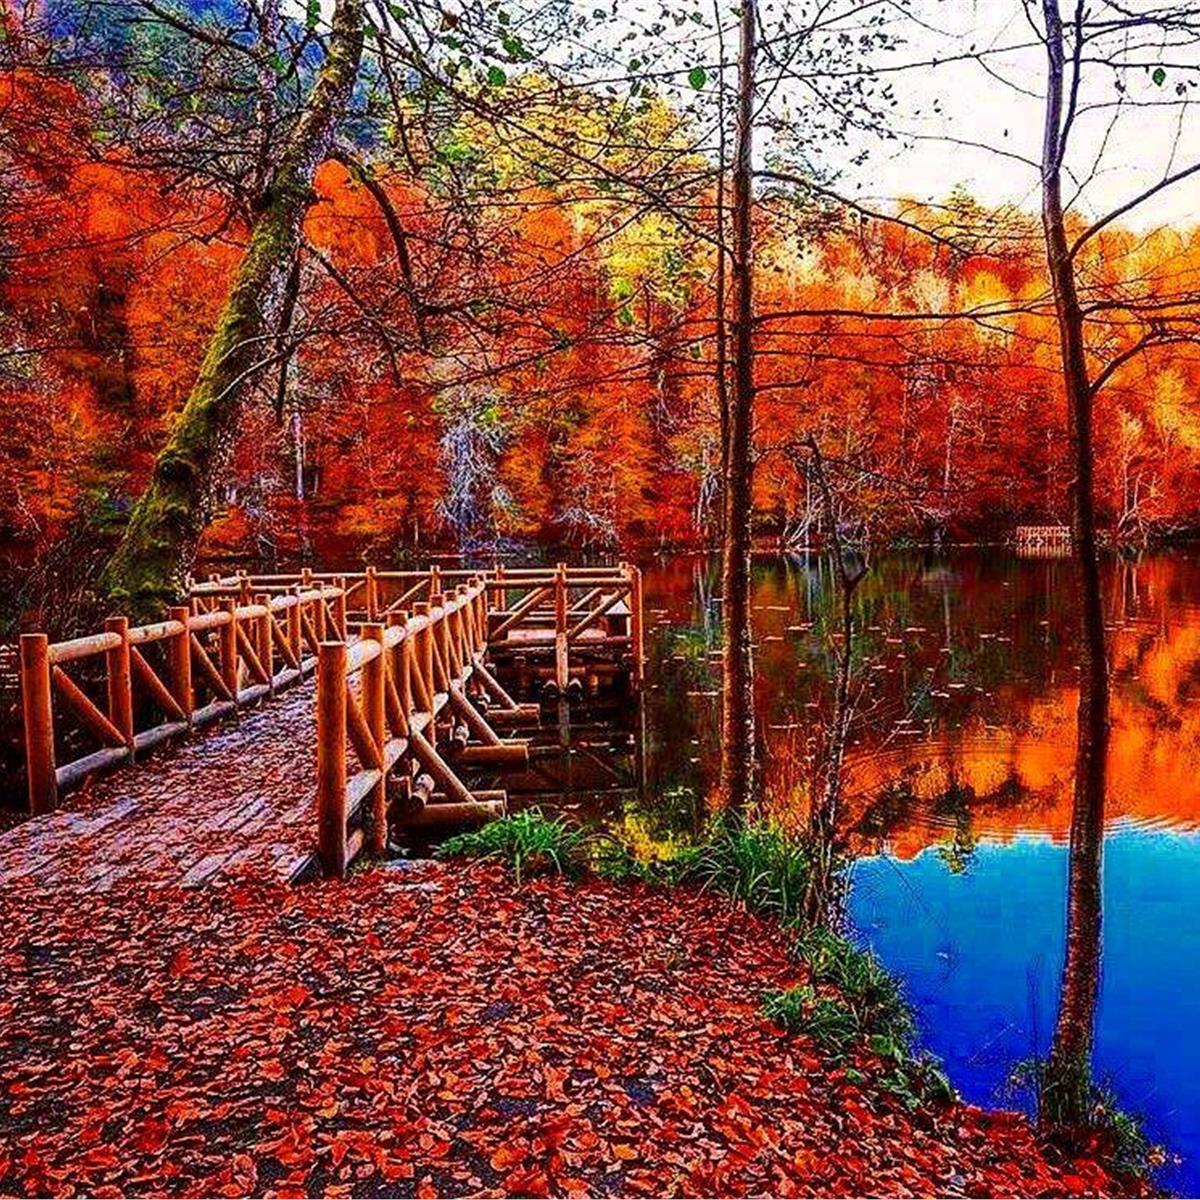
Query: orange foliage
546, 384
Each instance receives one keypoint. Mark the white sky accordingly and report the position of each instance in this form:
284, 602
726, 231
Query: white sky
1000, 107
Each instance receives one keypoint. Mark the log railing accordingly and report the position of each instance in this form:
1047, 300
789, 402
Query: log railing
405, 692
603, 613
403, 705
136, 687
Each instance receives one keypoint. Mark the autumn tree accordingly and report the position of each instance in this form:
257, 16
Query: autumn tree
168, 520
1115, 40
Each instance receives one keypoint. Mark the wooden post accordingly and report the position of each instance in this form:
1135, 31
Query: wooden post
422, 657
120, 682
372, 590
439, 667
500, 600
401, 665
373, 696
458, 632
561, 665
331, 757
636, 636
295, 629
339, 608
37, 706
319, 621
266, 645
229, 649
180, 656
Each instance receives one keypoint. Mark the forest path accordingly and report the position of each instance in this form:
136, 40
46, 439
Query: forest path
238, 798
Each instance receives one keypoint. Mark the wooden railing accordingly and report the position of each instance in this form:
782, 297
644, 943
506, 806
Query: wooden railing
146, 684
533, 611
399, 703
404, 692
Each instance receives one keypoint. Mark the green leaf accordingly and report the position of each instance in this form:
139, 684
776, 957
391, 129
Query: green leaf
514, 47
496, 77
697, 77
312, 14
1159, 76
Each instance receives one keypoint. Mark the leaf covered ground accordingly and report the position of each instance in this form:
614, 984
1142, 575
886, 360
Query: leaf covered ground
434, 1030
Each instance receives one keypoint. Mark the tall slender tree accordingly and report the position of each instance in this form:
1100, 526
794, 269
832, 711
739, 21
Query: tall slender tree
738, 752
1100, 39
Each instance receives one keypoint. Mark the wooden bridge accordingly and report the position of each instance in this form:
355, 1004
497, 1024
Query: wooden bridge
420, 679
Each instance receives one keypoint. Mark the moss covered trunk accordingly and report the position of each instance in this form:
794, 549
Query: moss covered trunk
159, 544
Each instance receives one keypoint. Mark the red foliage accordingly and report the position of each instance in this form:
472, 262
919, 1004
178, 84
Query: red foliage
430, 1031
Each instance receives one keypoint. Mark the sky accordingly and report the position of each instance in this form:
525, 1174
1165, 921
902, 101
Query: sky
999, 106
974, 121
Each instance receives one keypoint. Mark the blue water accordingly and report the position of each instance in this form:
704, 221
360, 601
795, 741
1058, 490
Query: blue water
981, 954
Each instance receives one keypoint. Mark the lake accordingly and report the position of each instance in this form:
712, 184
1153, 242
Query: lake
959, 787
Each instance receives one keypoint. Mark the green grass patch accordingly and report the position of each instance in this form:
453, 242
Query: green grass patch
529, 842
754, 863
854, 1001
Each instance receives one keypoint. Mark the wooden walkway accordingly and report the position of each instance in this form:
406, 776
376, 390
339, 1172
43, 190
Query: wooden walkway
259, 768
235, 798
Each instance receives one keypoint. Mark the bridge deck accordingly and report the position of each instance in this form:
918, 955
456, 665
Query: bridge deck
234, 798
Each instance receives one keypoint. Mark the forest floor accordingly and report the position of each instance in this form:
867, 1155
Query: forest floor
435, 1030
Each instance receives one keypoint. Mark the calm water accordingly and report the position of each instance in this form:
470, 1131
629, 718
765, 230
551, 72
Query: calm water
959, 794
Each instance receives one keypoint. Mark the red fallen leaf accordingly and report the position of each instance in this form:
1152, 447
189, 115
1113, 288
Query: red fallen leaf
394, 1168
180, 962
152, 1136
553, 1132
527, 1183
622, 1151
426, 1190
100, 1158
508, 1155
555, 1078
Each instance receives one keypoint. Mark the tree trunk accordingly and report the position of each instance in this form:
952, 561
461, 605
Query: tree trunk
1067, 1087
737, 720
821, 896
164, 529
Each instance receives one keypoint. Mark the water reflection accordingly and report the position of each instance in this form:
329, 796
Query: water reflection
960, 798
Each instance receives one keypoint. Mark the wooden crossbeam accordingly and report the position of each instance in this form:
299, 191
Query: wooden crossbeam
212, 676
596, 613
79, 702
158, 690
536, 597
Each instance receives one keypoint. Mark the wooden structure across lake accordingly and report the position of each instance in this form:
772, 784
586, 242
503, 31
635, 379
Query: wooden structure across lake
1051, 540
415, 675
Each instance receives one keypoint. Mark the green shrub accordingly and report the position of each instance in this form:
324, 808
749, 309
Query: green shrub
1081, 1114
529, 842
754, 863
